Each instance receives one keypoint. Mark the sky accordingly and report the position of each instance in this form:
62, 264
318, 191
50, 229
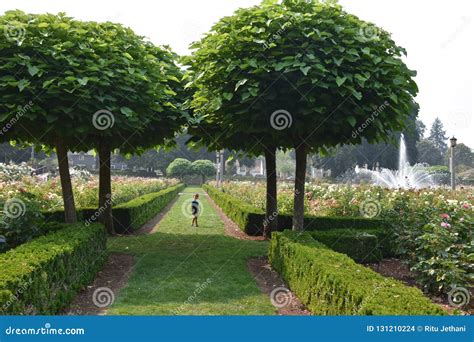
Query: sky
438, 36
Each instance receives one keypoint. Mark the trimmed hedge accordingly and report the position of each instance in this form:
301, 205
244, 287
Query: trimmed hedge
131, 215
43, 275
250, 219
331, 283
128, 216
360, 246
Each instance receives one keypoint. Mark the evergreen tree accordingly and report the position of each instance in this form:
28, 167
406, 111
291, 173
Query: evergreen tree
438, 136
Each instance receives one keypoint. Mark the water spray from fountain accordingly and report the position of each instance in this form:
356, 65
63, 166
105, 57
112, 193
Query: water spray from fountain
407, 176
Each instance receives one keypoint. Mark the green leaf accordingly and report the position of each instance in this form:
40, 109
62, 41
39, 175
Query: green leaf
32, 70
357, 94
305, 70
253, 91
48, 82
126, 111
83, 81
241, 82
228, 96
352, 120
340, 80
23, 84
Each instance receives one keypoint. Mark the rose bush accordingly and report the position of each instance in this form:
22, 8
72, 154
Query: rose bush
432, 229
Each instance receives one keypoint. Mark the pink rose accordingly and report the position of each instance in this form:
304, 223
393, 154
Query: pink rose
445, 225
445, 216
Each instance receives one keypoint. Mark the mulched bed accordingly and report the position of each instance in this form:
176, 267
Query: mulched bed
231, 229
114, 276
268, 280
395, 268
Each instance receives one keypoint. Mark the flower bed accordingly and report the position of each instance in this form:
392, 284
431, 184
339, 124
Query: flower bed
431, 229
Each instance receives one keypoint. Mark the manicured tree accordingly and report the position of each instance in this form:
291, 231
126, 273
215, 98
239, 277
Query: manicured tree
92, 85
306, 73
204, 168
179, 167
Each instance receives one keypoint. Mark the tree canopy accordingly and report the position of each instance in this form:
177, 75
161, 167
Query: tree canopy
299, 74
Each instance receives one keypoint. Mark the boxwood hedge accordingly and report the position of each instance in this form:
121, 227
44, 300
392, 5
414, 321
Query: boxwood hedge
331, 283
131, 215
128, 216
250, 219
362, 246
43, 276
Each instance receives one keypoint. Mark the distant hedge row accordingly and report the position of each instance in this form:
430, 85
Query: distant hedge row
128, 216
331, 283
250, 219
43, 276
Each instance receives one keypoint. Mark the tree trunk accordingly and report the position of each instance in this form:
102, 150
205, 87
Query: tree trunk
300, 177
271, 214
66, 185
105, 186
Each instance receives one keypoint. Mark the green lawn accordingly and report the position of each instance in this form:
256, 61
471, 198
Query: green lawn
175, 263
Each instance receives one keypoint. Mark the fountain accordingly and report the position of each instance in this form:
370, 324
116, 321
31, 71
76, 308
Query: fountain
407, 176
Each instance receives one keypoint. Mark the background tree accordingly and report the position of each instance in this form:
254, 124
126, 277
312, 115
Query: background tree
203, 168
179, 168
429, 153
284, 164
438, 136
463, 156
305, 73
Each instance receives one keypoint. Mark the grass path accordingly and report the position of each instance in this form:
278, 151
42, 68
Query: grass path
190, 271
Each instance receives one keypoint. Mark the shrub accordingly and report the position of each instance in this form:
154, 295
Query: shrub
43, 275
250, 219
331, 283
247, 218
132, 215
360, 246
